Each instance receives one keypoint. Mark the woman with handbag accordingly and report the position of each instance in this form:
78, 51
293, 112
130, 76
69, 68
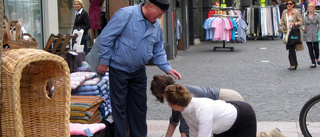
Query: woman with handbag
291, 18
310, 34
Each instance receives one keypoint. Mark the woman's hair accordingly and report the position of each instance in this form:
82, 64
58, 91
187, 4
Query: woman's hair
294, 3
276, 1
81, 3
311, 4
158, 84
178, 95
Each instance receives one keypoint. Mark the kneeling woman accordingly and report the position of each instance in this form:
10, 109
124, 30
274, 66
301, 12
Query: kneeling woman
206, 116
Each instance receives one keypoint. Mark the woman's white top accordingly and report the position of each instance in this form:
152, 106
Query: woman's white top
206, 116
289, 21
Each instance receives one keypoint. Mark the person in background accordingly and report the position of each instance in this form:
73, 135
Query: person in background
160, 82
294, 19
310, 33
95, 17
282, 7
275, 2
205, 116
131, 38
304, 3
82, 22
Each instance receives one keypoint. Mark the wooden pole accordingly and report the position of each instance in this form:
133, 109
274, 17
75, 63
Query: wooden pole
1, 43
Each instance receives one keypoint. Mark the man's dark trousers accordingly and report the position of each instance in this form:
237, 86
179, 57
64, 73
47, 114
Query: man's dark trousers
129, 100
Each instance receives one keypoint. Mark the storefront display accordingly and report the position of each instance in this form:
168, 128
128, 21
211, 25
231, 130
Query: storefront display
29, 14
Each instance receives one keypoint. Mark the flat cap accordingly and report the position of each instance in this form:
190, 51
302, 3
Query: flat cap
162, 4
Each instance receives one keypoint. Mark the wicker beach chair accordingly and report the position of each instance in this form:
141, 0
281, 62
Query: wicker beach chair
29, 105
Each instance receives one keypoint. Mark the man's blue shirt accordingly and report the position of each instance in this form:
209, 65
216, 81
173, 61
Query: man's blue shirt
129, 41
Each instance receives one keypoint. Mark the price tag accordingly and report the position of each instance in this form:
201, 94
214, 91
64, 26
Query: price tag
263, 4
223, 1
223, 5
263, 1
88, 132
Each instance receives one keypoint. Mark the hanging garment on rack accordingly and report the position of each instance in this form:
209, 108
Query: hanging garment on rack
235, 28
262, 21
221, 28
264, 28
179, 29
225, 29
210, 13
209, 30
276, 25
242, 29
269, 22
314, 1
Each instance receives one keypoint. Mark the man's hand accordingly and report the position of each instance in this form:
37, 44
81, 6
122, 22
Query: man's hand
174, 73
102, 68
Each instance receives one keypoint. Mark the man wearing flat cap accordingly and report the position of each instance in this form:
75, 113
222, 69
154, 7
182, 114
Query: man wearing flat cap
131, 38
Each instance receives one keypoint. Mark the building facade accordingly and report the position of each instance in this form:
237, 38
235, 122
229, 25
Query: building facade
41, 18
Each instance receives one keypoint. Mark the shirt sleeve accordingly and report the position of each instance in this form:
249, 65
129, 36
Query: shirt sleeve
109, 34
174, 119
86, 20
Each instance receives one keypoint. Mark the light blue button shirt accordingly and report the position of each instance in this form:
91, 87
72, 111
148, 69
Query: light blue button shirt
129, 42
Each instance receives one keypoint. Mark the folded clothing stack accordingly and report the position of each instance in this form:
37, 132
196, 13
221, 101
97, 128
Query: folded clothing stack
78, 78
90, 85
84, 109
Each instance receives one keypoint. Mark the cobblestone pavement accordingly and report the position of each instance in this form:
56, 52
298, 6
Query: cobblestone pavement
256, 69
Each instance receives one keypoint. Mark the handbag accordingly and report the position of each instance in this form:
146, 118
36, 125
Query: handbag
294, 37
285, 38
285, 34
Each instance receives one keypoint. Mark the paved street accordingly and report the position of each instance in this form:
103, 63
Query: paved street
256, 69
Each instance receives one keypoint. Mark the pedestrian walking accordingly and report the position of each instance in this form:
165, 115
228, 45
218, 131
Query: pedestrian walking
131, 38
291, 18
282, 7
310, 35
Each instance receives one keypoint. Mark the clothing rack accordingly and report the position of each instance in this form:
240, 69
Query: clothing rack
253, 35
224, 42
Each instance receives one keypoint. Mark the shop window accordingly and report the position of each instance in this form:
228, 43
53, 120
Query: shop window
66, 16
29, 13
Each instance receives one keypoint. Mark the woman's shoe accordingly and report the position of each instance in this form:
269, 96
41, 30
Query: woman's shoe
318, 62
292, 68
313, 66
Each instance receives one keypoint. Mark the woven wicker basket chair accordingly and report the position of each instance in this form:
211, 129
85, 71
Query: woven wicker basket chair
29, 107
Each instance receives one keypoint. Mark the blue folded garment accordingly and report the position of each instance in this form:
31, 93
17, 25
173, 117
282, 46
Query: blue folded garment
100, 84
86, 88
87, 93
